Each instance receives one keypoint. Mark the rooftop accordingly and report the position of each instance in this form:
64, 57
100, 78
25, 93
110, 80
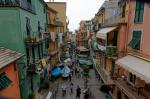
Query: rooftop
8, 56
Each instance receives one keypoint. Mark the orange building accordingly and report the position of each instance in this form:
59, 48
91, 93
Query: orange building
132, 76
9, 81
81, 35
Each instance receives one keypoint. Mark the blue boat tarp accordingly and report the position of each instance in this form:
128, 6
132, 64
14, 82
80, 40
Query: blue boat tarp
56, 72
65, 71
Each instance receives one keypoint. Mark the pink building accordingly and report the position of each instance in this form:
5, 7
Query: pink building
132, 76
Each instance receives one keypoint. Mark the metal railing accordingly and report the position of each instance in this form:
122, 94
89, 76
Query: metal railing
114, 20
18, 3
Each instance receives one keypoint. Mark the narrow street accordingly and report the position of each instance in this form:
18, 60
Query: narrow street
93, 84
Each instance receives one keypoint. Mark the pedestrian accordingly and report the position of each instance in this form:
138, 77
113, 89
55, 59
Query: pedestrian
76, 71
63, 90
71, 87
78, 92
86, 95
72, 72
70, 77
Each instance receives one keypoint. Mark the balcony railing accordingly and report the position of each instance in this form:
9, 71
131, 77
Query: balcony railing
129, 89
111, 50
114, 20
18, 3
32, 41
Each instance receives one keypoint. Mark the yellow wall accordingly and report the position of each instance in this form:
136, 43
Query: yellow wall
60, 7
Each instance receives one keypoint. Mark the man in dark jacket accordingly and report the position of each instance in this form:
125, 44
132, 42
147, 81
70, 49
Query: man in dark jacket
78, 92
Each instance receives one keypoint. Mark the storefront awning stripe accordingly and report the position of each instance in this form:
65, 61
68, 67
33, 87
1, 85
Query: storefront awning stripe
137, 66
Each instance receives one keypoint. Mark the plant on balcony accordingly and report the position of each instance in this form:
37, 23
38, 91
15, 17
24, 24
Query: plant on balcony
111, 50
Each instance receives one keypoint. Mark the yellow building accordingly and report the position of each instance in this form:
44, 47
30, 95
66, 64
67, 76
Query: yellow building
60, 7
53, 25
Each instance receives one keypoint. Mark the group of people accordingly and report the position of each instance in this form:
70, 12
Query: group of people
78, 91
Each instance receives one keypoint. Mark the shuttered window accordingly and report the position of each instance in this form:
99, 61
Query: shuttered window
4, 81
136, 40
139, 12
28, 27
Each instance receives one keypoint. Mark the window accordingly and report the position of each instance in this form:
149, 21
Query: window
27, 55
4, 81
124, 10
132, 78
136, 40
39, 51
39, 29
44, 9
139, 11
33, 54
28, 27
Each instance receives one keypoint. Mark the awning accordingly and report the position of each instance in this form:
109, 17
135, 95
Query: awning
102, 33
137, 66
67, 60
82, 48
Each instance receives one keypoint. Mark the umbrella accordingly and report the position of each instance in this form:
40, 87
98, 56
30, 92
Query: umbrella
56, 72
65, 71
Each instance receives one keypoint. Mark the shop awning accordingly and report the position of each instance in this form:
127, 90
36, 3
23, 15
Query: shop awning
82, 48
137, 66
102, 33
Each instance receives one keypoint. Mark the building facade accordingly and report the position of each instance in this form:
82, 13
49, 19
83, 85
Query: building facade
60, 7
132, 80
23, 23
9, 80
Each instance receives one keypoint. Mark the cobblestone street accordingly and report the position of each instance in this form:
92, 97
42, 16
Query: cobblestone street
93, 84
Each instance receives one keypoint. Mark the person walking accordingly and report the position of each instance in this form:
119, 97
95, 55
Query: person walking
78, 92
63, 90
70, 77
71, 87
86, 95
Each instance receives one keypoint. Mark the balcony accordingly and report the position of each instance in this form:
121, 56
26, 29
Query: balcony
33, 41
18, 3
129, 90
111, 50
108, 50
114, 20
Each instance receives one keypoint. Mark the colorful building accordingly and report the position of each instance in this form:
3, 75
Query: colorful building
62, 29
60, 7
110, 40
23, 24
53, 25
82, 35
132, 78
9, 80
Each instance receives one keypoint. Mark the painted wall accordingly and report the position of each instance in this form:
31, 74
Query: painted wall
60, 7
144, 27
12, 91
10, 32
13, 33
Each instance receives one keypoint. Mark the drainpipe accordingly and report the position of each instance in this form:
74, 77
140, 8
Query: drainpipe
128, 25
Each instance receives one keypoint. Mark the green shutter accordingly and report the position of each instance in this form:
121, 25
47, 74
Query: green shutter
136, 39
139, 11
137, 34
133, 43
4, 81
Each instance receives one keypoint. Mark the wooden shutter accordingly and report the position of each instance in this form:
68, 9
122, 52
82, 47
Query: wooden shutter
139, 11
